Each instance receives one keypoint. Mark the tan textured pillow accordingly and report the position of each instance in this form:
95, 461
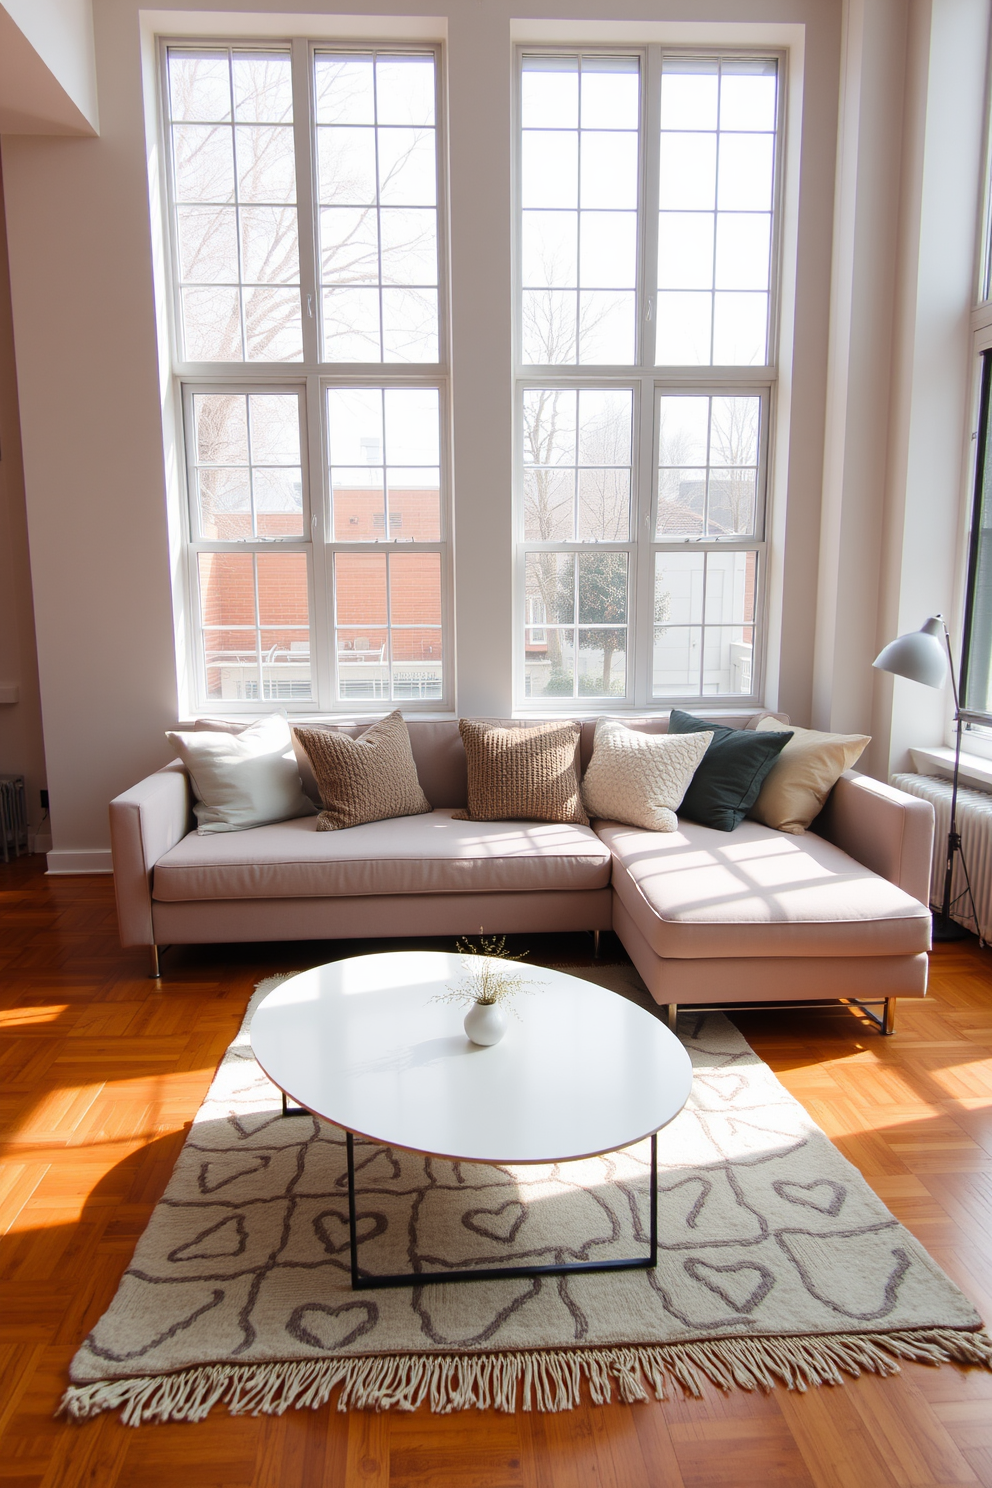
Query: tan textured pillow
524, 773
803, 776
367, 779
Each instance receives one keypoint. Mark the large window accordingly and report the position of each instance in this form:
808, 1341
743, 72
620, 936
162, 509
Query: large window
646, 320
304, 197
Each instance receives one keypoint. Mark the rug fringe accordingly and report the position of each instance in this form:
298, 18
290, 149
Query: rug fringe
543, 1380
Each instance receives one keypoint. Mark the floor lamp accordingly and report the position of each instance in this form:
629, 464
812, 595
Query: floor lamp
924, 655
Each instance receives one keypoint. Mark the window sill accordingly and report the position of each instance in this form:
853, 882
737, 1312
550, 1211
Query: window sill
974, 771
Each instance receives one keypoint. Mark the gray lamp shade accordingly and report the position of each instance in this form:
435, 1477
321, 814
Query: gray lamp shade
919, 655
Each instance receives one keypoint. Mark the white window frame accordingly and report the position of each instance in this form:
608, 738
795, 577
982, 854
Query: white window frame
310, 377
649, 382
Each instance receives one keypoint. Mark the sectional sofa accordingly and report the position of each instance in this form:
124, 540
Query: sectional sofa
707, 917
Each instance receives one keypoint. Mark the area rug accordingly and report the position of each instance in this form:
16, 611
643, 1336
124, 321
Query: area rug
777, 1264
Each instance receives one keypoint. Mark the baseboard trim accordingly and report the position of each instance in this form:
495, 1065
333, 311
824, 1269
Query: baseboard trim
97, 860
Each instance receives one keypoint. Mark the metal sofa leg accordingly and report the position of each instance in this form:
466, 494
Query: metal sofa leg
671, 1014
156, 970
595, 944
889, 1016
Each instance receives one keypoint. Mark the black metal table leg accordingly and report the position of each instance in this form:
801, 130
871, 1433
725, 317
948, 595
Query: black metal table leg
363, 1282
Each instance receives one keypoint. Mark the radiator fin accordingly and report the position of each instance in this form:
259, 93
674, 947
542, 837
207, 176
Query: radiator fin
974, 819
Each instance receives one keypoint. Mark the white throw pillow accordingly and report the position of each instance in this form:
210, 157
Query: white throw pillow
243, 780
640, 778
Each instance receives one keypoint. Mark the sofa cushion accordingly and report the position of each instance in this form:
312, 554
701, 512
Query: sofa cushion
698, 892
431, 854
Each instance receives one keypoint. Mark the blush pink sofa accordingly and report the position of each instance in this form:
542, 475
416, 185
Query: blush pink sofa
707, 917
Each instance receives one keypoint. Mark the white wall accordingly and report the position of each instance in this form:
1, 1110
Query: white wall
895, 467
91, 401
47, 67
21, 748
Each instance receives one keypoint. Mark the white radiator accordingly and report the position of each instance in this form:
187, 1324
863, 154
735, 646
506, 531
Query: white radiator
975, 825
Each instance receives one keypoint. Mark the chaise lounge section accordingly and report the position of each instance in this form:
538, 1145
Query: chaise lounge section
707, 917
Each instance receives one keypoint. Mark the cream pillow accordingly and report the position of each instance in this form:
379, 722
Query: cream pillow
640, 778
371, 778
803, 776
243, 780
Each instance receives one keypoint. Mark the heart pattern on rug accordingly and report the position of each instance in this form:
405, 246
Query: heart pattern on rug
738, 1296
502, 1224
332, 1229
823, 1194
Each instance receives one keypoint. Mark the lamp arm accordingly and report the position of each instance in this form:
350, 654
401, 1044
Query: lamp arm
950, 662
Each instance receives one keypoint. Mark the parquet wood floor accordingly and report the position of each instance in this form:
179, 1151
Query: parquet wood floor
101, 1071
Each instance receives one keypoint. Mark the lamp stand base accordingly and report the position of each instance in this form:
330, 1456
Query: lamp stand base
948, 930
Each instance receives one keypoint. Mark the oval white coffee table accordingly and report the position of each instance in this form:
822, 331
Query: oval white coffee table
363, 1044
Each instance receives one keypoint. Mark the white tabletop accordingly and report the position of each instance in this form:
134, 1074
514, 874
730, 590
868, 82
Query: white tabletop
361, 1043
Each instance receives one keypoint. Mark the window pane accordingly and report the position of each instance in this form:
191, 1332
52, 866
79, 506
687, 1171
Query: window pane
360, 590
242, 165
247, 476
606, 327
715, 227
349, 245
245, 660
577, 464
549, 505
602, 588
263, 88
704, 610
405, 90
685, 250
384, 446
549, 88
266, 163
377, 189
550, 577
549, 326
389, 641
208, 245
344, 89
415, 589
707, 466
582, 157
549, 249
282, 589
199, 86
608, 247
602, 668
610, 93
285, 664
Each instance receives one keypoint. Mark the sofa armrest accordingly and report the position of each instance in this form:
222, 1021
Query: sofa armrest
145, 822
887, 830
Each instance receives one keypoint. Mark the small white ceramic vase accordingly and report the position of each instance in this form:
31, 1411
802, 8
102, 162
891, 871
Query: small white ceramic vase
485, 1022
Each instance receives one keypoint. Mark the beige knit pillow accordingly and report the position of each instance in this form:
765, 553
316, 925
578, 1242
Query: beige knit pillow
367, 779
803, 775
528, 774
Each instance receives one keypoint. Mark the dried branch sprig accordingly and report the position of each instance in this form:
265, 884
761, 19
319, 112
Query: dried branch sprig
489, 945
485, 982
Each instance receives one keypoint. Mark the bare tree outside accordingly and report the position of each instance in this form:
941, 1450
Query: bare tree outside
235, 177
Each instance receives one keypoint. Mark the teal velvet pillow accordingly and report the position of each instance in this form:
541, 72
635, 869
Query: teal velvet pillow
731, 773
